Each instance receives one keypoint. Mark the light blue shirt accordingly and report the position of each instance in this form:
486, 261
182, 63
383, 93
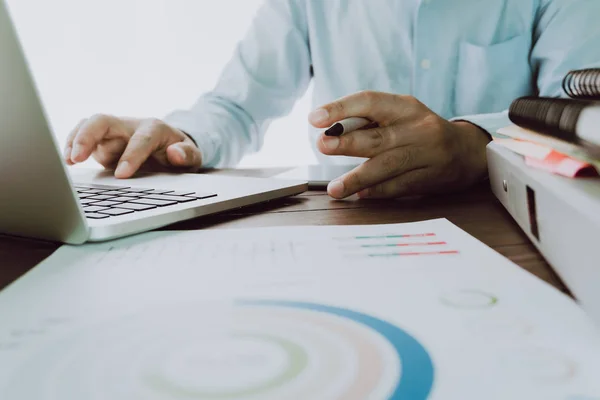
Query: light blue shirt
464, 59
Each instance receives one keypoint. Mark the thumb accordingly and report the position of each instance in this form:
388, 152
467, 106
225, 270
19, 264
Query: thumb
184, 154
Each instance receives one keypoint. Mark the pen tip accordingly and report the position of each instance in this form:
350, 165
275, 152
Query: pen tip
336, 130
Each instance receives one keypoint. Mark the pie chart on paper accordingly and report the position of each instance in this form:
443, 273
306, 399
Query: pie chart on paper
249, 349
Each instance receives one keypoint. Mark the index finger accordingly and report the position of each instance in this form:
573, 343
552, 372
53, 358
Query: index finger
69, 144
381, 168
376, 106
91, 132
369, 142
141, 145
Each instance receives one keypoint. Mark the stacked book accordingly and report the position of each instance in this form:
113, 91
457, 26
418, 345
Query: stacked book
560, 135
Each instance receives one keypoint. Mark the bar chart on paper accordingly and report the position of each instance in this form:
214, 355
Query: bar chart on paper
407, 311
394, 245
296, 250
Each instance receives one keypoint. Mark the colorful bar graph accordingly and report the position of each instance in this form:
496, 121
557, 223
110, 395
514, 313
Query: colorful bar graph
414, 235
403, 244
424, 253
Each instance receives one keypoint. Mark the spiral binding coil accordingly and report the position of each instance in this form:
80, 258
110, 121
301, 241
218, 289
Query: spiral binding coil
583, 84
555, 116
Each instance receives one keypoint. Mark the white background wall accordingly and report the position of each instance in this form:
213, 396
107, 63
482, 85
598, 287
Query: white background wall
142, 58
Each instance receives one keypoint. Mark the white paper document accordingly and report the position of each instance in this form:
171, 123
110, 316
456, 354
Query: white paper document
404, 311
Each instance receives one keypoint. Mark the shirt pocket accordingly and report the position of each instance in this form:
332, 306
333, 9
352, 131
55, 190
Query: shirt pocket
489, 78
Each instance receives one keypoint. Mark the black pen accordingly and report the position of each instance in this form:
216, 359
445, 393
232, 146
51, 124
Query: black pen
347, 125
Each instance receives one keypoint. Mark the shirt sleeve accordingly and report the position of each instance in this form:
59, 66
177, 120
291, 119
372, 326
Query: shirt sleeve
268, 72
565, 37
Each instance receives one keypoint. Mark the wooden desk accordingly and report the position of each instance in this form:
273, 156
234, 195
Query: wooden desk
476, 211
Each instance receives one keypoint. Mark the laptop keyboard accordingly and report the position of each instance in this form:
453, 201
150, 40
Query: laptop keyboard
105, 201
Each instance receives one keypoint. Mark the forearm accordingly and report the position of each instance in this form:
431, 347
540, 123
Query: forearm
223, 132
269, 71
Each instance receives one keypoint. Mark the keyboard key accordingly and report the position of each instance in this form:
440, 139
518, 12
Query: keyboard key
93, 209
124, 199
168, 197
137, 190
102, 197
204, 195
131, 195
96, 216
115, 193
159, 191
175, 192
88, 201
115, 211
106, 203
152, 202
92, 191
183, 193
85, 195
135, 207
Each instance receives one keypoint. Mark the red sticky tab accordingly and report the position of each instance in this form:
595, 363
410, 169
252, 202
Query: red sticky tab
560, 164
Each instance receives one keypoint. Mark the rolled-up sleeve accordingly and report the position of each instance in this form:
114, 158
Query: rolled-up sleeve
268, 72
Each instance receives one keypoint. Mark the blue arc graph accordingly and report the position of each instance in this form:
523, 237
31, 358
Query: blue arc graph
252, 349
417, 376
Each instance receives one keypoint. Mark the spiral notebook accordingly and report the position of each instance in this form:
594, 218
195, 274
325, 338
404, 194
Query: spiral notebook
583, 84
575, 120
571, 120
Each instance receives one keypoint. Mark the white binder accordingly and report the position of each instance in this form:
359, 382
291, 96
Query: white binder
561, 216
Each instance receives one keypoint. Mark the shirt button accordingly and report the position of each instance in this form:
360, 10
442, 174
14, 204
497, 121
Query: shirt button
426, 63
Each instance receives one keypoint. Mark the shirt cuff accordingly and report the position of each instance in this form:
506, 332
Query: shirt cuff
490, 123
208, 142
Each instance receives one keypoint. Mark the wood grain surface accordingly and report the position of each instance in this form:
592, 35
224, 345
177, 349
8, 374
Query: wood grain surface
476, 211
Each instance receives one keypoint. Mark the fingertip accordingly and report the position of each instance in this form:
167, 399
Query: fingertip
184, 154
78, 153
321, 143
336, 189
67, 155
123, 170
329, 144
177, 155
319, 118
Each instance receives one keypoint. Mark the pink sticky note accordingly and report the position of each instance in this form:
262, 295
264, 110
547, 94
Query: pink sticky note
560, 164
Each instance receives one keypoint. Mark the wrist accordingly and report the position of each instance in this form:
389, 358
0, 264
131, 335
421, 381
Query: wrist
474, 141
190, 137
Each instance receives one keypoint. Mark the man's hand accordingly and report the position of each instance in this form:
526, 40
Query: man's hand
412, 151
127, 143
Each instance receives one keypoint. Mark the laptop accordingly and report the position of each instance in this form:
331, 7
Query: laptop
41, 198
317, 176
